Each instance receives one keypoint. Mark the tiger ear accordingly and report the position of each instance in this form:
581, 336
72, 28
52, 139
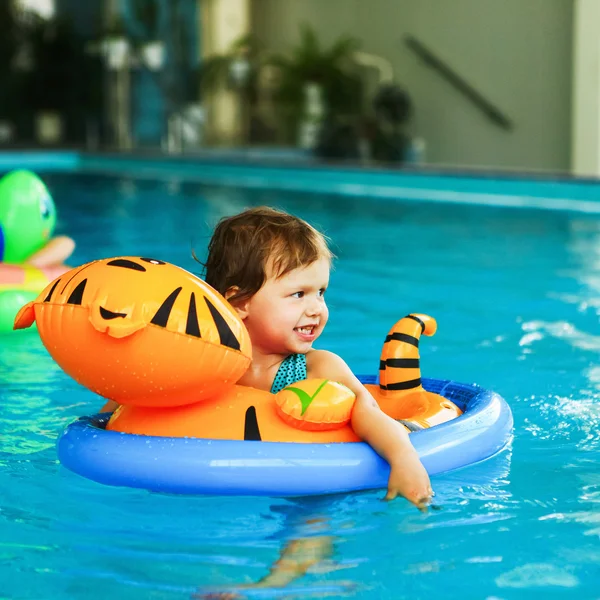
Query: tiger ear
25, 317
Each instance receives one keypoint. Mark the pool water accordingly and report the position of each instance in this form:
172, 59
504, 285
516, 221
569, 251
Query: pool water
516, 294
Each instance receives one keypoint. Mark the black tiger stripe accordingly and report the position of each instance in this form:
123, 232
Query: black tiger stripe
47, 298
76, 296
402, 385
419, 321
399, 363
402, 337
126, 264
108, 315
225, 334
192, 327
161, 317
251, 430
75, 273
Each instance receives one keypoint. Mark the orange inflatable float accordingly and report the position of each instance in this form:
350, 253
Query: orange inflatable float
169, 349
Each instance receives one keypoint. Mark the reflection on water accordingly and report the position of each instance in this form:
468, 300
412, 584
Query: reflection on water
313, 530
538, 575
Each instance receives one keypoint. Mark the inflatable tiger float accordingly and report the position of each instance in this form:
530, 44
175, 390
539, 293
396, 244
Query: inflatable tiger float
169, 349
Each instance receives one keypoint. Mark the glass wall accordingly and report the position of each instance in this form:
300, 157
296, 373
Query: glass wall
465, 84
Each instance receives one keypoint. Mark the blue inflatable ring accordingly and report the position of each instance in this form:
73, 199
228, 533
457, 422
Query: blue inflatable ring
224, 467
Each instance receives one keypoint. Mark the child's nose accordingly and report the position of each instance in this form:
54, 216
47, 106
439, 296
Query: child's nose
314, 307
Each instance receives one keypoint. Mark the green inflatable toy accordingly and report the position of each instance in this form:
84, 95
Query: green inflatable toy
10, 304
27, 216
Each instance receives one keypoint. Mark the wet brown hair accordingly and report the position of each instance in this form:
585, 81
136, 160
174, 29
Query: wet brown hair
245, 245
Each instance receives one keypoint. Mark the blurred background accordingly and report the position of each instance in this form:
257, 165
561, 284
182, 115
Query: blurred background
466, 84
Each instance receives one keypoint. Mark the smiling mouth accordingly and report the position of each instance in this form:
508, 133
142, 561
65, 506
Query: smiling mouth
307, 330
109, 314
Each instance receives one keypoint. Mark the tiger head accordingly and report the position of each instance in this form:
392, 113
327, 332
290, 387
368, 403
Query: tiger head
140, 331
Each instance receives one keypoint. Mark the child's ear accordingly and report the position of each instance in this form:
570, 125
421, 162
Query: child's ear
241, 305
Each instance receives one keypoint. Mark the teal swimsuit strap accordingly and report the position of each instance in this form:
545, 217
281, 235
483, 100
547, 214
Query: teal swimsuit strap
292, 369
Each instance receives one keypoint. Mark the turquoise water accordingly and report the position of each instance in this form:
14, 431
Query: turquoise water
516, 294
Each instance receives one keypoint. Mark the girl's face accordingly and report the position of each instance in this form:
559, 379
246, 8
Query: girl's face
288, 313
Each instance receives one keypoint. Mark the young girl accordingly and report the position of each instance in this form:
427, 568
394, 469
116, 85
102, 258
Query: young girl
273, 268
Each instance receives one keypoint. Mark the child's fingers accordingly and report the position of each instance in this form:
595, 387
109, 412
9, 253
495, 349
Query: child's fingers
391, 495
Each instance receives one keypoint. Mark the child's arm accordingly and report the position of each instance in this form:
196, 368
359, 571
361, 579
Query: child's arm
388, 438
55, 252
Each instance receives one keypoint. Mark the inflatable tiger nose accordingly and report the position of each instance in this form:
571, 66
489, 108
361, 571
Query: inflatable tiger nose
140, 331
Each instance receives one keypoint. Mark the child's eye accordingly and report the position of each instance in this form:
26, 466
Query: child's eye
298, 294
322, 292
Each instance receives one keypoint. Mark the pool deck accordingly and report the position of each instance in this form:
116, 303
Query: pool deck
298, 172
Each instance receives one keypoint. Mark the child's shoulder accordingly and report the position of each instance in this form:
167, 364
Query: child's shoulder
322, 363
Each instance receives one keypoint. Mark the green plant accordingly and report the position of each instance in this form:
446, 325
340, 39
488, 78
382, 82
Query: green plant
333, 69
218, 70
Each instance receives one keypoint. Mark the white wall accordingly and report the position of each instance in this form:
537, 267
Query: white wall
517, 53
585, 159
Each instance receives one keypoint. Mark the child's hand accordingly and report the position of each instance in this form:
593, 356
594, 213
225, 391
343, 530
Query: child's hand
409, 478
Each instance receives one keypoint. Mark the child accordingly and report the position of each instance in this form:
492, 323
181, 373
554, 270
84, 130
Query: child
273, 268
